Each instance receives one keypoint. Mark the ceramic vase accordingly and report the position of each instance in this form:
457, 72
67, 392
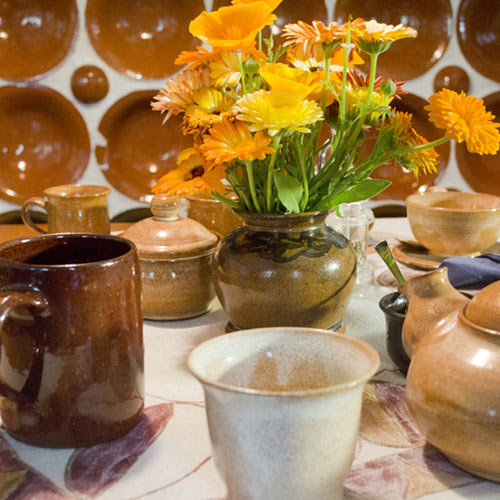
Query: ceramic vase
284, 270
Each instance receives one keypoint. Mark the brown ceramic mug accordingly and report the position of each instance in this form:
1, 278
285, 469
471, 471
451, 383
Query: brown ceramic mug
71, 208
71, 357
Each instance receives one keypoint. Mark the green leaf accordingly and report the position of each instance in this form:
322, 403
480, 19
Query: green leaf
362, 191
289, 191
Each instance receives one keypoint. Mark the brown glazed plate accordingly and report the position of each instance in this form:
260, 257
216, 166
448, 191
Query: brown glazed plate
482, 172
478, 30
403, 182
35, 36
43, 142
139, 148
415, 255
141, 38
408, 58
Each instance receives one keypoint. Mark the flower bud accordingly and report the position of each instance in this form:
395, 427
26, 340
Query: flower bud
388, 88
251, 66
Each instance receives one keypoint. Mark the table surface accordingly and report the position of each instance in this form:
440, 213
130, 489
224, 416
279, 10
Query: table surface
168, 457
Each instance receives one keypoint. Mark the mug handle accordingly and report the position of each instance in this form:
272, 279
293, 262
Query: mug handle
10, 300
25, 212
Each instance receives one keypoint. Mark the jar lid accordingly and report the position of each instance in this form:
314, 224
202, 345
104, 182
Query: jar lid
166, 235
484, 309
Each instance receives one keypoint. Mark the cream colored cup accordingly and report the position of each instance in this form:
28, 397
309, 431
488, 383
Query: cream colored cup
283, 408
71, 208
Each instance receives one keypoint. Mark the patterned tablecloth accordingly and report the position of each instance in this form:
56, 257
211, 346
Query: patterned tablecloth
167, 456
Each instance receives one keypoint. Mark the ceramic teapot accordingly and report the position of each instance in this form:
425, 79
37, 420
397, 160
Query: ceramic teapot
453, 381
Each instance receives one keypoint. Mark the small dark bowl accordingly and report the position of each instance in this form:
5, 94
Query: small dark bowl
395, 306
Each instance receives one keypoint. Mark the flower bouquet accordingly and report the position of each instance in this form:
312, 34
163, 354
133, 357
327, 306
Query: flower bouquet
284, 133
296, 127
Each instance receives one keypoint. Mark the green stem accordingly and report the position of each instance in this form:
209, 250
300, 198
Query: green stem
371, 81
270, 169
242, 72
305, 182
347, 50
328, 53
420, 147
260, 40
251, 183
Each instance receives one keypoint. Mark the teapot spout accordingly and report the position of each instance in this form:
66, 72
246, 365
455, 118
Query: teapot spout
433, 303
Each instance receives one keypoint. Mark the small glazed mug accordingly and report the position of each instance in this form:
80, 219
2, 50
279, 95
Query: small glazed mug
283, 408
72, 355
71, 208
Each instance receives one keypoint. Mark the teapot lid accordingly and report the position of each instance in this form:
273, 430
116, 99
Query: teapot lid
166, 235
484, 309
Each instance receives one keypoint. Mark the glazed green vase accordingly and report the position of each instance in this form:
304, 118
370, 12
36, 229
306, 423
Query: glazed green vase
284, 270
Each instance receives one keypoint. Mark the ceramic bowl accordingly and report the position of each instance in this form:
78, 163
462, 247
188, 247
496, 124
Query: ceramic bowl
395, 305
454, 223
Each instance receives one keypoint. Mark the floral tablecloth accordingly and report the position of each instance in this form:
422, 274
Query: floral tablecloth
167, 456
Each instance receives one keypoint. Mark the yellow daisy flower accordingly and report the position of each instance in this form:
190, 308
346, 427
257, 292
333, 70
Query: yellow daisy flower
191, 176
233, 27
406, 136
228, 141
373, 37
275, 111
209, 106
464, 118
178, 93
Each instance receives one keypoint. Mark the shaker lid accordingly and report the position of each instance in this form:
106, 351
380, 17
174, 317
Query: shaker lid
484, 309
166, 235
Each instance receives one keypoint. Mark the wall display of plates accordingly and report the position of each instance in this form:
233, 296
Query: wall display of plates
76, 78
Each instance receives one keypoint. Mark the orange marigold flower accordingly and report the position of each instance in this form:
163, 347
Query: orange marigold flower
464, 118
179, 91
286, 79
307, 40
196, 58
272, 3
405, 136
233, 27
228, 141
191, 176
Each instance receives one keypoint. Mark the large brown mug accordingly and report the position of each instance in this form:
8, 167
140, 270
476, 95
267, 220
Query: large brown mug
72, 355
71, 208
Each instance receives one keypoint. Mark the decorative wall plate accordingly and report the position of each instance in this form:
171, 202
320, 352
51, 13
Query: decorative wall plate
141, 38
43, 141
478, 30
35, 36
139, 148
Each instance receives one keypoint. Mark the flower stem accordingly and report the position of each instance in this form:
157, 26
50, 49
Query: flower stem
251, 183
260, 40
270, 170
328, 53
242, 72
420, 147
371, 81
347, 50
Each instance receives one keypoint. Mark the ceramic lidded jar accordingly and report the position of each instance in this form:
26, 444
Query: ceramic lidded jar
175, 256
453, 380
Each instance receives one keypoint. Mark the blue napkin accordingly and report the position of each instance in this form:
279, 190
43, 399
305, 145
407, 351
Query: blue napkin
475, 272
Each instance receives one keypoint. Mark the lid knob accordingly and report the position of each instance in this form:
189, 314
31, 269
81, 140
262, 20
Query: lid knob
484, 309
166, 207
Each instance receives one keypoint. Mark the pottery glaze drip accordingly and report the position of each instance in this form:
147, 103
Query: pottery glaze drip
452, 384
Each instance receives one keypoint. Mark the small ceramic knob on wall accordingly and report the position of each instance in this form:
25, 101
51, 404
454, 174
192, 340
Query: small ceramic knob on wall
89, 84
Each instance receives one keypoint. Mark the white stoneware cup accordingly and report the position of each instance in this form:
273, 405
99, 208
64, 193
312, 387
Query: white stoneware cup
283, 408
